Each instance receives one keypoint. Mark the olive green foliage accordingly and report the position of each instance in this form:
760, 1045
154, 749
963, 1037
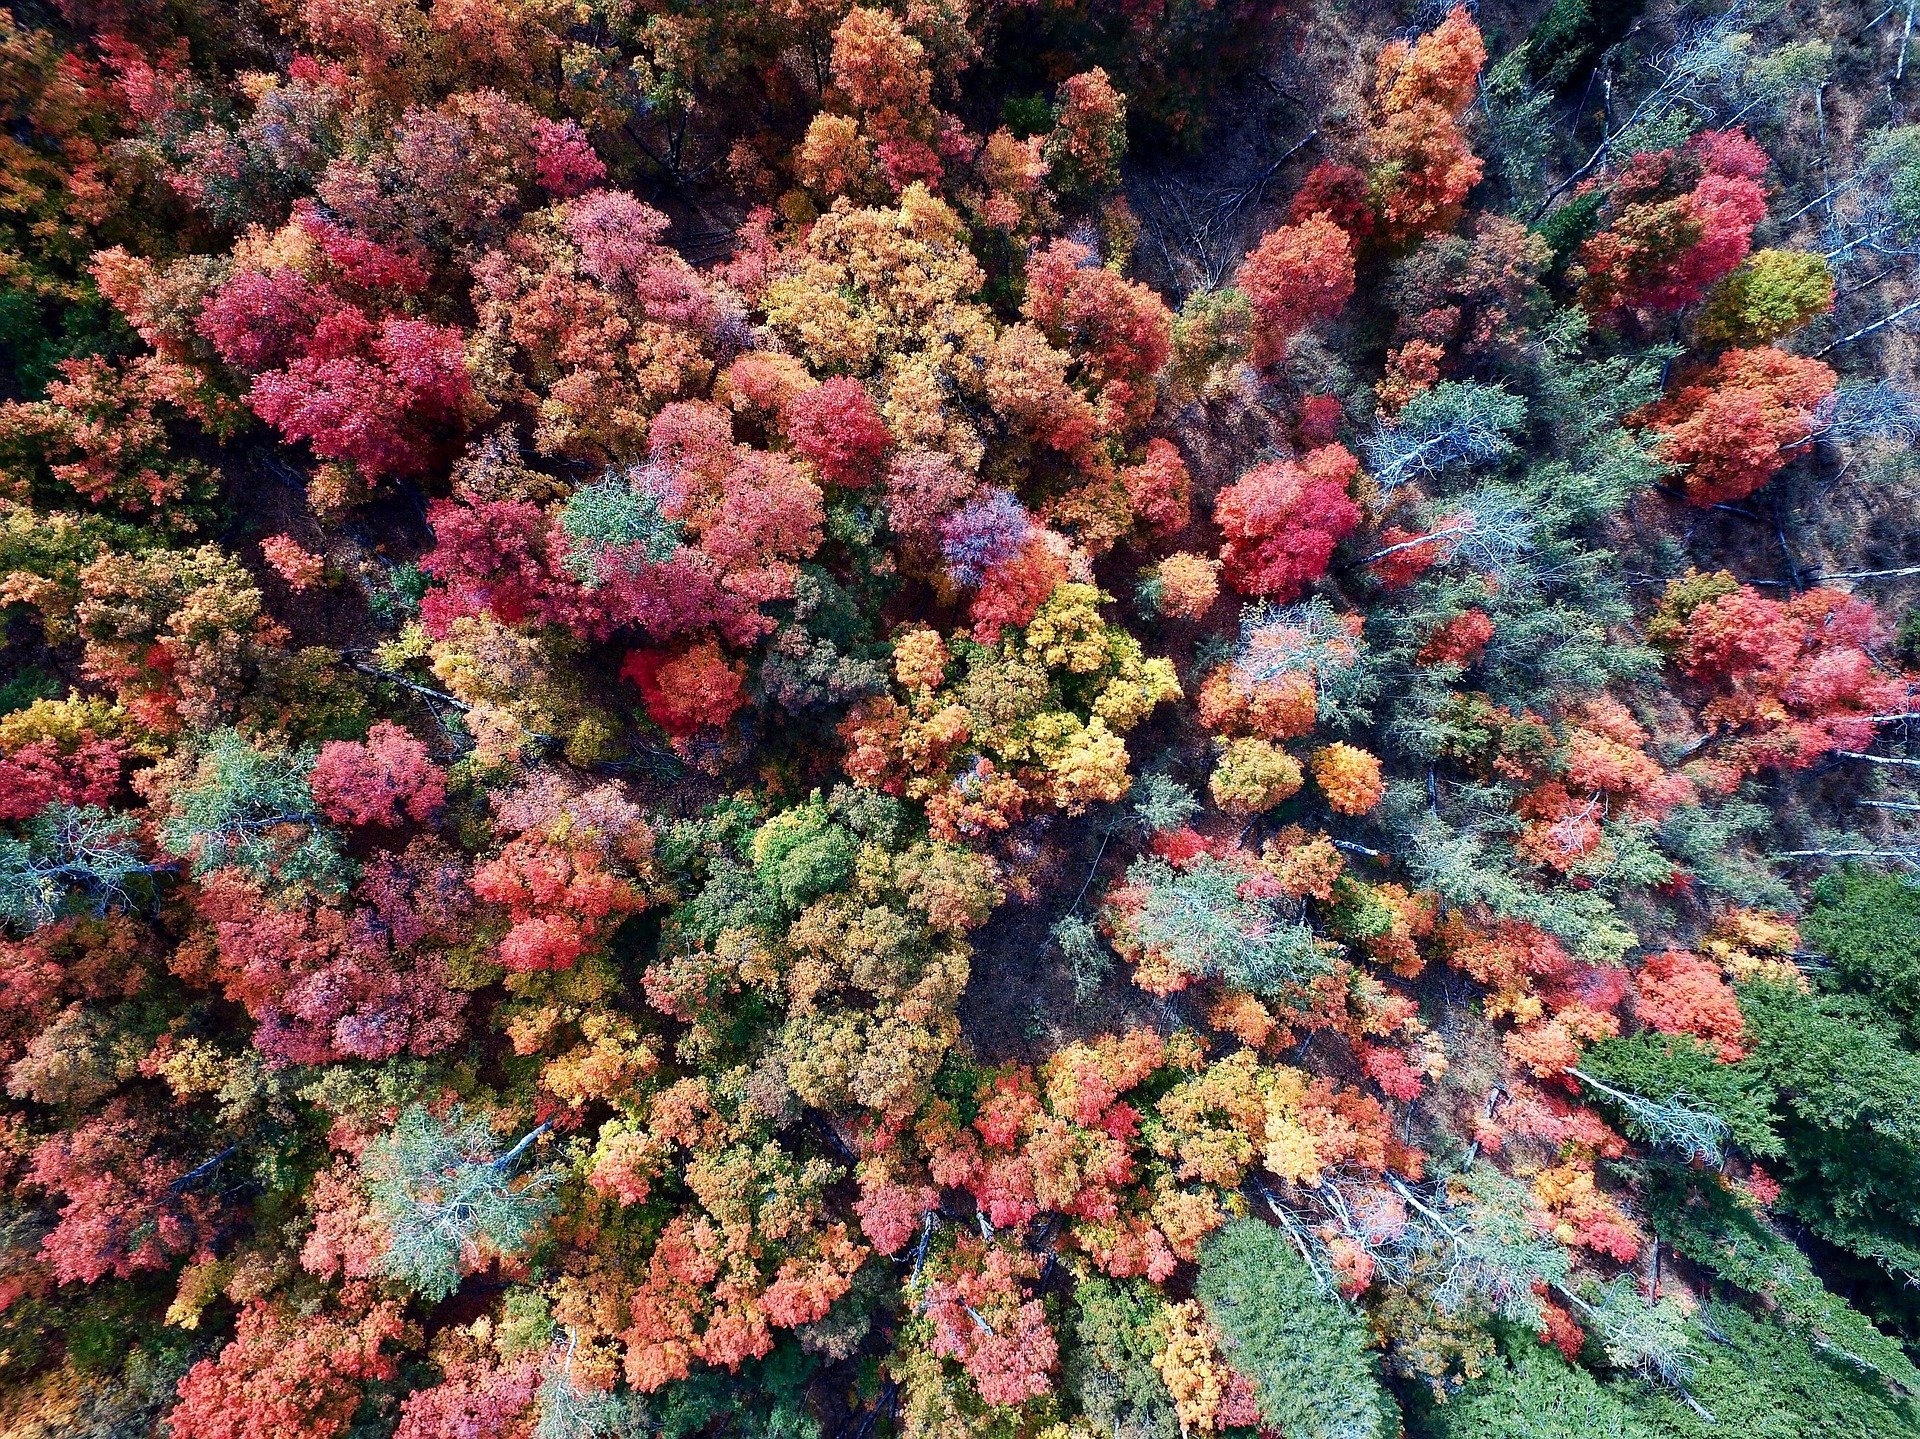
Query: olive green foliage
1868, 926
1114, 1332
1773, 293
1679, 1072
1304, 1351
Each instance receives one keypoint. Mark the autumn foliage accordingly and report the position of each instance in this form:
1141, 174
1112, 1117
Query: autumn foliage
715, 720
1282, 520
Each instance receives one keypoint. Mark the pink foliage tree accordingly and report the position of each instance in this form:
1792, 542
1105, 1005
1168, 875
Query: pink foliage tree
387, 781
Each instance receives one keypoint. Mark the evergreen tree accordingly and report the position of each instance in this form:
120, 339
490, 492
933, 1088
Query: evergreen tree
1303, 1349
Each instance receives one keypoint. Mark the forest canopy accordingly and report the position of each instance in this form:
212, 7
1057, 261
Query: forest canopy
1030, 719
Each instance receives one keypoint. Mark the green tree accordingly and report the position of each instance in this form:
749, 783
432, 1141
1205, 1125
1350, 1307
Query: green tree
1304, 1350
801, 853
1200, 919
1672, 1090
612, 518
1714, 1226
1112, 1336
1760, 1381
1868, 925
1772, 293
447, 1195
70, 859
1530, 1392
1848, 1116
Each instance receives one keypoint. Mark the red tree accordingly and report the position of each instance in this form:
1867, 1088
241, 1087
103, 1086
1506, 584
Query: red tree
1734, 425
982, 1317
1681, 221
1422, 167
124, 1207
1790, 680
838, 428
1298, 274
1158, 488
374, 399
1120, 333
44, 771
324, 985
287, 1377
1282, 520
387, 781
1678, 993
476, 1400
689, 691
561, 899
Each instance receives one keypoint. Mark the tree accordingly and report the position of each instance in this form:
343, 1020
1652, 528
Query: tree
378, 408
1734, 425
174, 633
1350, 778
1845, 1088
1868, 926
1530, 1392
387, 781
1304, 1352
1750, 1370
981, 1314
614, 526
1113, 1335
1158, 488
1089, 136
1119, 333
1790, 681
251, 807
1678, 993
299, 569
837, 427
1281, 521
1682, 221
125, 1205
71, 860
474, 1400
1208, 1394
1675, 1091
1769, 296
102, 433
1451, 424
1182, 586
563, 895
450, 1197
690, 690
1297, 275
1422, 167
1206, 919
324, 984
287, 1376
990, 530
